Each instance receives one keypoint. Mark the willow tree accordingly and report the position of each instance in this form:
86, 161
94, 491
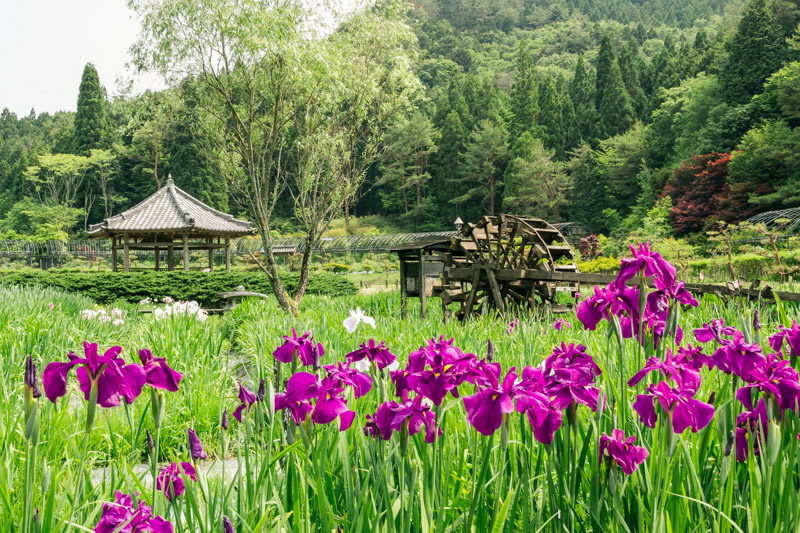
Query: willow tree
269, 74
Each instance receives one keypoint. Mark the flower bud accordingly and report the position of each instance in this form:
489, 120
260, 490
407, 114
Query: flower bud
729, 445
712, 397
756, 321
224, 422
195, 447
30, 377
261, 391
490, 351
227, 525
150, 443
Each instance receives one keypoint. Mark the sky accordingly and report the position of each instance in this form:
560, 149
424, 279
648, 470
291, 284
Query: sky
44, 45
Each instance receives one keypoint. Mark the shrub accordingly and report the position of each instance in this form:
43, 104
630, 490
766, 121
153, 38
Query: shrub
336, 267
600, 265
200, 286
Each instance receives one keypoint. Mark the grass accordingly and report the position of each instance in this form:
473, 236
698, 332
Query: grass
314, 478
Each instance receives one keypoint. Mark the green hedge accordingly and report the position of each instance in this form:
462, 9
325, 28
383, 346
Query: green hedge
105, 287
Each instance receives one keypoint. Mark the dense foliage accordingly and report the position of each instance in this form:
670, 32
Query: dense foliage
133, 287
569, 110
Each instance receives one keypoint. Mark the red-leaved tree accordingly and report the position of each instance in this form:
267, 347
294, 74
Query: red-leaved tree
701, 194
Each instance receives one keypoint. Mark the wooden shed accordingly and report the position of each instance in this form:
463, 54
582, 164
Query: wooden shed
421, 259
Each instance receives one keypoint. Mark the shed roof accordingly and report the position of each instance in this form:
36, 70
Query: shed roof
171, 209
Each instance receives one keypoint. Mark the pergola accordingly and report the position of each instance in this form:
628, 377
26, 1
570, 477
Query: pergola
168, 219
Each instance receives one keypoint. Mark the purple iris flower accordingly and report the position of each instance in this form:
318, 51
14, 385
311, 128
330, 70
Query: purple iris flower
648, 262
195, 446
449, 367
738, 358
569, 377
595, 308
159, 374
361, 382
622, 451
676, 291
790, 335
512, 326
560, 324
227, 525
392, 416
775, 377
300, 389
672, 367
375, 353
714, 332
544, 419
485, 408
114, 379
694, 357
170, 482
331, 404
753, 422
121, 516
247, 399
679, 403
303, 346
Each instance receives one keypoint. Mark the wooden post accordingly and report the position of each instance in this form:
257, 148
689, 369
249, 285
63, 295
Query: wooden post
158, 259
126, 254
227, 253
113, 253
210, 242
422, 300
403, 291
171, 255
186, 251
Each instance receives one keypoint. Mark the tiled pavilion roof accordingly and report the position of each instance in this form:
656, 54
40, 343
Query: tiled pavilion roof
169, 210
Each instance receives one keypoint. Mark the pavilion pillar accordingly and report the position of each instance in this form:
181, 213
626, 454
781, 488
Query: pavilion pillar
210, 242
126, 254
186, 251
403, 291
158, 258
171, 253
422, 300
113, 253
227, 253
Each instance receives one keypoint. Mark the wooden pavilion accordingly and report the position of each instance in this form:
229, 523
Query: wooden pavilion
168, 219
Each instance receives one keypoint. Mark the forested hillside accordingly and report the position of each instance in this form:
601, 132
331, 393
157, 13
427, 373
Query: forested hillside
610, 113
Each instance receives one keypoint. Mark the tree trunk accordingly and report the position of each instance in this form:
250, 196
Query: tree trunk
271, 270
491, 193
416, 212
347, 215
305, 266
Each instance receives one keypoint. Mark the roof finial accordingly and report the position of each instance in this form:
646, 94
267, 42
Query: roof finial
169, 180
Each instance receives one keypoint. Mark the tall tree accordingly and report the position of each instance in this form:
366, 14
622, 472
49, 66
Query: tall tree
551, 118
615, 110
90, 118
535, 185
757, 49
589, 189
581, 92
484, 160
524, 98
605, 59
261, 67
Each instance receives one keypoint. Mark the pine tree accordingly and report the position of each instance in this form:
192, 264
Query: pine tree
604, 60
90, 118
589, 189
446, 168
757, 50
615, 112
483, 164
534, 183
630, 65
524, 100
550, 118
582, 95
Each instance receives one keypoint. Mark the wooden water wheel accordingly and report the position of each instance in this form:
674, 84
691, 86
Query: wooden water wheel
489, 264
